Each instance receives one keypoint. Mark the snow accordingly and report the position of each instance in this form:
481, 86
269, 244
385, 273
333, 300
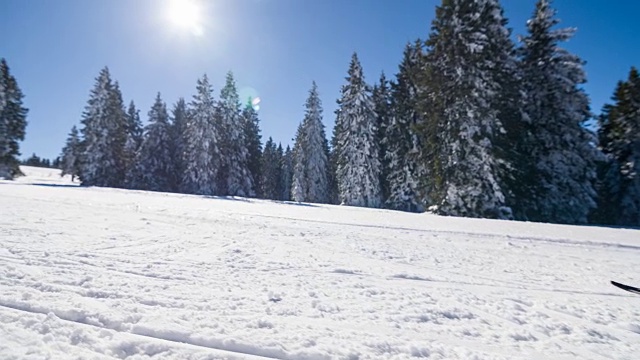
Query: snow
97, 273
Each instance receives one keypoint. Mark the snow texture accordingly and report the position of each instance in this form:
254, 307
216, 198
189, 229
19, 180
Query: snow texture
95, 273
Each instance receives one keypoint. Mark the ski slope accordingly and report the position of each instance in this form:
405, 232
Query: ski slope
95, 273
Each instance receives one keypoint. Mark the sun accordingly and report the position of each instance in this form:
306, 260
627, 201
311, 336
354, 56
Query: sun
185, 15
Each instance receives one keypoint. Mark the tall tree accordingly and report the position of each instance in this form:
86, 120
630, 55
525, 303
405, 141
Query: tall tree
179, 141
104, 134
561, 148
400, 137
299, 175
234, 176
468, 49
13, 122
253, 144
71, 155
134, 132
619, 134
202, 153
286, 159
357, 151
271, 171
381, 96
154, 163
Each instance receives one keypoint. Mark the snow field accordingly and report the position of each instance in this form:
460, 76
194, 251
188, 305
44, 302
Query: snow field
94, 273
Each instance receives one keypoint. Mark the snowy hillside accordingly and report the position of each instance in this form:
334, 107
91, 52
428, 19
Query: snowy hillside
94, 273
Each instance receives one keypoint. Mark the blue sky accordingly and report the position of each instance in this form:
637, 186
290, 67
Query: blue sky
274, 47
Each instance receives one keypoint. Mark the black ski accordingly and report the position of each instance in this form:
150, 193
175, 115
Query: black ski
628, 288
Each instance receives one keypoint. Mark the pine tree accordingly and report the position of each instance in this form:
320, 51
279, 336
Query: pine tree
619, 134
381, 96
358, 167
316, 149
154, 162
71, 155
253, 144
179, 141
202, 154
468, 49
104, 134
134, 135
299, 184
400, 137
561, 148
234, 176
271, 171
13, 122
286, 159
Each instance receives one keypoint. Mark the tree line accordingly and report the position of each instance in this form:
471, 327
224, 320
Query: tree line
472, 124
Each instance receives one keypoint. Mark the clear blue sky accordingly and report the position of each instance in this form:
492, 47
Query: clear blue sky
274, 47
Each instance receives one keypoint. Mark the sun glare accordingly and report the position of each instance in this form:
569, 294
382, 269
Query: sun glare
186, 14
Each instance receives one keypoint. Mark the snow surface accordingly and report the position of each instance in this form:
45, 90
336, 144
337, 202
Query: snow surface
96, 273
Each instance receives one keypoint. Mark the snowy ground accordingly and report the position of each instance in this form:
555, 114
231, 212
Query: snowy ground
90, 273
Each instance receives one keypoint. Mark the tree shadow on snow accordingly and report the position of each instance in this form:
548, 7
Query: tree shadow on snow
293, 203
57, 185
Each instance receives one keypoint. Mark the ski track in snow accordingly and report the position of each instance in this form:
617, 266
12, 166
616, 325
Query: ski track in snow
94, 273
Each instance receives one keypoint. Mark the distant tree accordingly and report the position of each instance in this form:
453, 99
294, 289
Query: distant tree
381, 96
13, 122
134, 134
562, 150
298, 178
202, 154
356, 149
71, 153
619, 133
253, 144
154, 162
286, 159
234, 176
271, 171
179, 141
104, 135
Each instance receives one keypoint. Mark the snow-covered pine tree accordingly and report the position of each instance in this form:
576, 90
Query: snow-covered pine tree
357, 151
71, 153
202, 154
400, 137
253, 144
104, 135
311, 154
562, 150
13, 122
154, 161
619, 134
299, 184
179, 140
286, 159
271, 171
134, 140
468, 48
235, 177
381, 96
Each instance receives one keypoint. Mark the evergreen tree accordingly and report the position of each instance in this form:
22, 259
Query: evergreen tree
469, 49
286, 159
400, 138
179, 141
13, 122
154, 161
71, 155
134, 140
381, 96
299, 184
561, 149
234, 176
271, 171
619, 134
104, 124
253, 144
358, 166
202, 153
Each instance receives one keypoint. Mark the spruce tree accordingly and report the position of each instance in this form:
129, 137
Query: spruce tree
71, 153
134, 132
619, 135
381, 96
358, 167
154, 162
286, 159
468, 49
234, 176
104, 135
299, 186
271, 171
561, 149
202, 154
400, 137
253, 144
13, 122
179, 141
